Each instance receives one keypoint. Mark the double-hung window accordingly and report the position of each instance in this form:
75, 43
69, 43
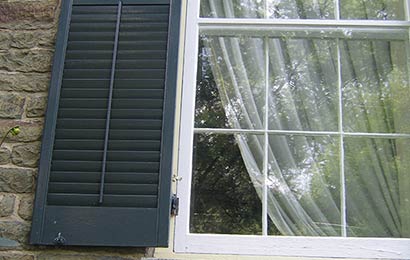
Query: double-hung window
295, 129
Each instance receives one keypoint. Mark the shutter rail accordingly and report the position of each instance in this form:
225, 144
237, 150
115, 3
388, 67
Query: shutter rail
107, 122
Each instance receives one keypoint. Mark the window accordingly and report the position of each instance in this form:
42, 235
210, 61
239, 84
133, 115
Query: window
295, 130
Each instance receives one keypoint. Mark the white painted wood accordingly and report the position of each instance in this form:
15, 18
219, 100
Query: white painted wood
185, 242
300, 246
187, 125
296, 132
310, 23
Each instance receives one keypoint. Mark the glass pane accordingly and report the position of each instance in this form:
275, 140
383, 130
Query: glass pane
372, 9
306, 9
303, 79
231, 83
378, 187
304, 186
277, 9
232, 8
375, 87
226, 186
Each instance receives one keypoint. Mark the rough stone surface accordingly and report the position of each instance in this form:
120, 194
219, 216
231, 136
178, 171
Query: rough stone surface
25, 210
17, 180
36, 106
84, 257
15, 230
38, 60
31, 130
6, 205
27, 39
27, 15
30, 82
26, 155
11, 105
5, 155
16, 257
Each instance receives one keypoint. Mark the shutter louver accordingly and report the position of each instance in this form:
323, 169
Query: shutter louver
104, 176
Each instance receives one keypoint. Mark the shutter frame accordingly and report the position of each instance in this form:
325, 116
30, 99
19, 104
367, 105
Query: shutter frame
50, 122
40, 220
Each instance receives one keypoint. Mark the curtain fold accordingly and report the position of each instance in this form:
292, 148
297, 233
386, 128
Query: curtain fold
304, 178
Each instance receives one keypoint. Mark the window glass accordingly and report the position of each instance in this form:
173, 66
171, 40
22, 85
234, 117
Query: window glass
224, 199
372, 9
378, 187
304, 185
274, 9
375, 86
230, 92
303, 90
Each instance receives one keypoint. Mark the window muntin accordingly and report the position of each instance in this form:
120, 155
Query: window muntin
340, 32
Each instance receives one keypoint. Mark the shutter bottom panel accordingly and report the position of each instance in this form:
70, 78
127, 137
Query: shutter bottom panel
109, 227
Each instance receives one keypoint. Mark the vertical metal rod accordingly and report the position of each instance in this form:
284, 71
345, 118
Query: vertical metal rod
107, 122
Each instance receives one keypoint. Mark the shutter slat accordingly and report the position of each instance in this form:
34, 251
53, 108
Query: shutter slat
130, 27
134, 145
151, 45
122, 55
135, 103
115, 113
109, 189
125, 36
111, 177
141, 201
93, 166
93, 155
118, 93
121, 73
114, 134
119, 83
121, 64
115, 124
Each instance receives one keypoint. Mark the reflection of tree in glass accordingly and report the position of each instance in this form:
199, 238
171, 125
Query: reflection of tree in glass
223, 197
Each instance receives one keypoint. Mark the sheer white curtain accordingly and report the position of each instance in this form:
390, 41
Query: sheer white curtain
304, 173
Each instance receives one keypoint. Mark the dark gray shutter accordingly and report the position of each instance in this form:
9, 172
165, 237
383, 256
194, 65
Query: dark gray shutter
105, 168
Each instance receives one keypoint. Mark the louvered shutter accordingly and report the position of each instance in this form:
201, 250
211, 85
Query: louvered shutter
105, 168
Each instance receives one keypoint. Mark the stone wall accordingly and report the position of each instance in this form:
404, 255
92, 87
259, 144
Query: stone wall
27, 35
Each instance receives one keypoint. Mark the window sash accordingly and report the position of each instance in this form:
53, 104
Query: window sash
186, 242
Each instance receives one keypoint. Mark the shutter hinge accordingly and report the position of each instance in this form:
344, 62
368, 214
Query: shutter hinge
174, 205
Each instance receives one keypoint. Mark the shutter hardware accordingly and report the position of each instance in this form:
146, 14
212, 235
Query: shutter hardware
174, 205
59, 240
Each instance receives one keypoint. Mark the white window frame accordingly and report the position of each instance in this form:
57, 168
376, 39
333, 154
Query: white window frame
186, 242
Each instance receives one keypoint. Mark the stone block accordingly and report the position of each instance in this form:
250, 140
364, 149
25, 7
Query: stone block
26, 60
46, 256
27, 15
6, 205
27, 39
5, 155
15, 230
36, 106
25, 210
26, 155
17, 180
31, 130
29, 82
11, 105
16, 257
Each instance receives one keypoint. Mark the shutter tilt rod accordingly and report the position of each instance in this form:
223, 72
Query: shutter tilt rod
107, 122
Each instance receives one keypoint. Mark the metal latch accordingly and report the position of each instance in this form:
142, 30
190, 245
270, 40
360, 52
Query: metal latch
59, 240
174, 205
